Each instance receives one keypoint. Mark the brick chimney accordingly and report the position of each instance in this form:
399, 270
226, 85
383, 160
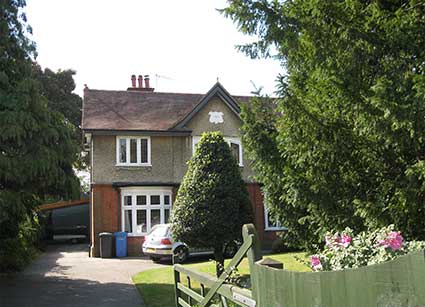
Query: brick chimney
140, 87
140, 81
147, 81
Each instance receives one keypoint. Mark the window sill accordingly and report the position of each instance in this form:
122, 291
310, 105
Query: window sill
136, 235
270, 229
133, 165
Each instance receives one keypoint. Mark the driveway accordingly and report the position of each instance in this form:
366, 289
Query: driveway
65, 276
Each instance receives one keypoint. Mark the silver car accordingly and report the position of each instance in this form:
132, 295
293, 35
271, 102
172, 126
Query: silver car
158, 244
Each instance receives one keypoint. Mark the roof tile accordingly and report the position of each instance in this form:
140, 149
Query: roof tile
137, 110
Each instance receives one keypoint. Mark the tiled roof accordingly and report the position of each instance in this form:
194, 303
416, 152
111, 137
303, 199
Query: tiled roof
137, 110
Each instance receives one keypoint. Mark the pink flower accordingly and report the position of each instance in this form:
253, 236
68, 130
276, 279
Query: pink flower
344, 240
394, 240
315, 263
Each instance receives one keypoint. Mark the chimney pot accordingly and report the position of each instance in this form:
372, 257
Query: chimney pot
133, 80
147, 81
140, 81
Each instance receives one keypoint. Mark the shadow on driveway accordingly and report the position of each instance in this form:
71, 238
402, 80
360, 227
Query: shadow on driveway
65, 276
56, 291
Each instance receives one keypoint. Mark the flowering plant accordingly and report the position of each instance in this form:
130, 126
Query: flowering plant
344, 250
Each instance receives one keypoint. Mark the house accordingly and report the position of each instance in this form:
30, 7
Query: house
140, 141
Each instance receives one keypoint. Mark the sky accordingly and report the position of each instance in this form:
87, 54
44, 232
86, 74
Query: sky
183, 45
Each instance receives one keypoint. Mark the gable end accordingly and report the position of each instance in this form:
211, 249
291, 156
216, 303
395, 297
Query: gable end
217, 90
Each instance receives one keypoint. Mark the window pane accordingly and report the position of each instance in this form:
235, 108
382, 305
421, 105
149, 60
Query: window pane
166, 215
123, 151
166, 199
127, 200
155, 200
235, 150
155, 217
128, 222
194, 145
144, 150
141, 221
133, 151
270, 222
141, 200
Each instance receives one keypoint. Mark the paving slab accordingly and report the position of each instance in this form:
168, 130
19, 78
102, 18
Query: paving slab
66, 276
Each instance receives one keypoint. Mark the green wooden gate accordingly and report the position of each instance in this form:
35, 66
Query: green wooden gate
398, 283
218, 289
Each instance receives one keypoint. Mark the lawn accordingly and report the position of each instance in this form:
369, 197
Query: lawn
157, 286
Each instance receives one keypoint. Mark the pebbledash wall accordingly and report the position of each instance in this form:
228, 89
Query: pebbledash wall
169, 156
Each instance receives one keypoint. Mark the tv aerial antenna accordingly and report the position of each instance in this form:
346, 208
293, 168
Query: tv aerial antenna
161, 77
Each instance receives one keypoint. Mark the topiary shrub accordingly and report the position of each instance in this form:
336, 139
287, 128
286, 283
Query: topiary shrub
212, 203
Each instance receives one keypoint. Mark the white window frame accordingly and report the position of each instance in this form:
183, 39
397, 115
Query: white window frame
139, 154
137, 191
235, 140
267, 227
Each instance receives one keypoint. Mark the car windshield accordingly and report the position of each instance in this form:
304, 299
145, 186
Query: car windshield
159, 231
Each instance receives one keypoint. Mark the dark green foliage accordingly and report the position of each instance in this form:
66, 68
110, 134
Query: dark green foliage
36, 147
212, 202
57, 88
345, 144
20, 250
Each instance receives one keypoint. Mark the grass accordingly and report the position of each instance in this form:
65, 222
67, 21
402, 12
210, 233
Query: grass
156, 286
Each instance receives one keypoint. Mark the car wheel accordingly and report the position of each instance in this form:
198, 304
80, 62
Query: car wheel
180, 254
230, 249
155, 259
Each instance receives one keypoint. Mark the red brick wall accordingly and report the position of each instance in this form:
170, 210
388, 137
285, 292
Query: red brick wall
106, 213
256, 197
134, 246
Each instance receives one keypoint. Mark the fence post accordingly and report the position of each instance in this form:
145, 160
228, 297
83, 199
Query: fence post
254, 254
176, 282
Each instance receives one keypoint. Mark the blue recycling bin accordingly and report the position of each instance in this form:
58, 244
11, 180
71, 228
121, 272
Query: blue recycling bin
121, 244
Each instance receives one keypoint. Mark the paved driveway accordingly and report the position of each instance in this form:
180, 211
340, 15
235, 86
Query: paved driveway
66, 276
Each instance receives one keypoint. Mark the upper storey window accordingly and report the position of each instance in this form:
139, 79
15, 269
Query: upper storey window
234, 143
133, 151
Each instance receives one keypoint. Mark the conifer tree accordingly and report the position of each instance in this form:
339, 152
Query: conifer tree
36, 148
344, 144
212, 202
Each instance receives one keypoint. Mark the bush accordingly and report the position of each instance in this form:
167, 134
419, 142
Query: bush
17, 252
343, 250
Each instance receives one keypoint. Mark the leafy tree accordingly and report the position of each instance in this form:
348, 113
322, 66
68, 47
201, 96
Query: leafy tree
36, 148
212, 202
345, 144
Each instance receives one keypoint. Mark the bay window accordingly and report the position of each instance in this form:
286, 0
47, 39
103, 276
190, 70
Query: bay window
143, 208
